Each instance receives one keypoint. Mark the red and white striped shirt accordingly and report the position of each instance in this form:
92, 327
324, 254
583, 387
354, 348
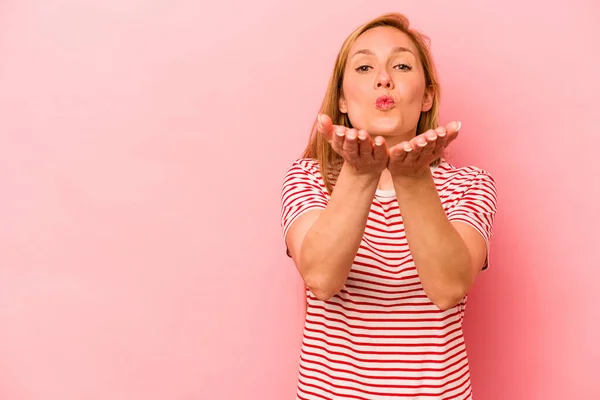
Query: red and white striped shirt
380, 337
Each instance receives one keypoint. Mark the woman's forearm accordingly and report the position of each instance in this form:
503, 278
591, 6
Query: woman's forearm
330, 245
441, 257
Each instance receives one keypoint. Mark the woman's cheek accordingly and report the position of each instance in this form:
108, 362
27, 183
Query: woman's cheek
356, 114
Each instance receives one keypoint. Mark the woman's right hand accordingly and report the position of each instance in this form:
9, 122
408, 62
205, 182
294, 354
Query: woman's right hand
363, 154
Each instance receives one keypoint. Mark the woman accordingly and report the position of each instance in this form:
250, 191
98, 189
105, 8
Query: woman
387, 236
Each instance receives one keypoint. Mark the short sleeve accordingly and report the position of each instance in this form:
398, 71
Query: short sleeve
302, 190
477, 207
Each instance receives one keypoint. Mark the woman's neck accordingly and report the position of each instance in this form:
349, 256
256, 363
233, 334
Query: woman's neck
385, 181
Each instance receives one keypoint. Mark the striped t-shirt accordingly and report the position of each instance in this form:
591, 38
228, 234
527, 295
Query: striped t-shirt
380, 337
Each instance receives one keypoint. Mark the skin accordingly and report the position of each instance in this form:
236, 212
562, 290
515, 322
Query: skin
382, 151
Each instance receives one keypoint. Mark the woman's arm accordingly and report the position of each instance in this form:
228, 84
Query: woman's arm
323, 243
447, 255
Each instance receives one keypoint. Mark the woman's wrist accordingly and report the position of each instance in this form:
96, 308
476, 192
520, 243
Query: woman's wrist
422, 178
360, 179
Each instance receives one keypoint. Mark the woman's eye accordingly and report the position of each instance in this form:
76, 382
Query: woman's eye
403, 67
363, 68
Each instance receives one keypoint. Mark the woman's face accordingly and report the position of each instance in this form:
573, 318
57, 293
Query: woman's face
383, 89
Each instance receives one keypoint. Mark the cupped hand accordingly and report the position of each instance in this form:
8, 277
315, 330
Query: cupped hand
412, 158
363, 154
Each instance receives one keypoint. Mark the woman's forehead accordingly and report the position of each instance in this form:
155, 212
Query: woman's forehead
382, 38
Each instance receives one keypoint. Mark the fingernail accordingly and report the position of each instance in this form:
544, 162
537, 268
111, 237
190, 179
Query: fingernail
459, 125
320, 121
340, 133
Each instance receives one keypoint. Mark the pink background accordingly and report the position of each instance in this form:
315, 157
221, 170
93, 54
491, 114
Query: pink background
142, 147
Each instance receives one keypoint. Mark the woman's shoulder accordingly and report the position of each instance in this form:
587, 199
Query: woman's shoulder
303, 162
468, 177
305, 166
448, 169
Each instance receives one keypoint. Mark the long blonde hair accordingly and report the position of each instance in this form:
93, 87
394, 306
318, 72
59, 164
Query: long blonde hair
318, 148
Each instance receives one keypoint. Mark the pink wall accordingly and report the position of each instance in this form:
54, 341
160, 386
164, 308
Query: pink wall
140, 251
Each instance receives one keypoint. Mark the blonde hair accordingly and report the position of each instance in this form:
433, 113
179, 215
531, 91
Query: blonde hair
318, 148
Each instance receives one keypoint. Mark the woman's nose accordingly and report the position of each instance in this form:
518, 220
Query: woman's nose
384, 81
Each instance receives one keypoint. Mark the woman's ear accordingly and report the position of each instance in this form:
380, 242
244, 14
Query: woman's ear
427, 99
342, 105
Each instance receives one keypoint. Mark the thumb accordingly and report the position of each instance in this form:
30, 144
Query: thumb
325, 126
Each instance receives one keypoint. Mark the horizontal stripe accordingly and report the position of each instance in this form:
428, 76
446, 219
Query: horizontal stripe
377, 349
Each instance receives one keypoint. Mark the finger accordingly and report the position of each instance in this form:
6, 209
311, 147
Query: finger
365, 145
351, 145
417, 144
440, 142
400, 152
325, 126
431, 140
452, 130
339, 138
380, 151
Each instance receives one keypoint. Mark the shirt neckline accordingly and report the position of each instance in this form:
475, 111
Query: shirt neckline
392, 192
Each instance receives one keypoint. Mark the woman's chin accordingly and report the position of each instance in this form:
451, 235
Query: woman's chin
386, 125
382, 129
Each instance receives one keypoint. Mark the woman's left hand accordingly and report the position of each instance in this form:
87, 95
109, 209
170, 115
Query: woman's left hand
411, 159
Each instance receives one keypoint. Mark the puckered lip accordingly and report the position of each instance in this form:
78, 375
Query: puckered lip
385, 102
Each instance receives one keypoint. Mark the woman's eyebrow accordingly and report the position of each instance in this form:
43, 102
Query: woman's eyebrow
398, 49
